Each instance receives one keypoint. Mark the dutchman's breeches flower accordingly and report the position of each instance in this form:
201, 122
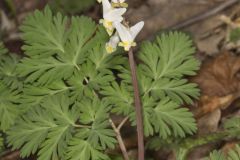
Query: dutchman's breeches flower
128, 35
111, 15
111, 46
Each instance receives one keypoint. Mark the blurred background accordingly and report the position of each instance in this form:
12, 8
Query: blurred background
214, 26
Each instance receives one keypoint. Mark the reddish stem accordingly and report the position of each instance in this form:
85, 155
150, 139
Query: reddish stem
138, 107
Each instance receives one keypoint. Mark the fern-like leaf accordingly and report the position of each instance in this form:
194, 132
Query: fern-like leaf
81, 149
9, 108
55, 51
232, 126
120, 96
47, 128
171, 57
8, 63
234, 154
179, 91
96, 136
96, 113
1, 143
216, 155
169, 120
165, 62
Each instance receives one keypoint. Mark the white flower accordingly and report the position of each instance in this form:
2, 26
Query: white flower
128, 35
111, 46
99, 1
111, 15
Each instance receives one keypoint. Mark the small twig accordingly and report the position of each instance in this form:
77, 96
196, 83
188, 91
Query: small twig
120, 140
138, 107
199, 17
204, 15
122, 123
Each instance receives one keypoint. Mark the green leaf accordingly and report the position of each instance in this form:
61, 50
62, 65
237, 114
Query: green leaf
234, 154
8, 63
96, 136
55, 145
9, 110
170, 57
120, 96
43, 33
55, 51
234, 35
215, 155
169, 120
81, 149
232, 126
95, 113
34, 95
45, 71
164, 64
30, 131
1, 143
179, 91
47, 128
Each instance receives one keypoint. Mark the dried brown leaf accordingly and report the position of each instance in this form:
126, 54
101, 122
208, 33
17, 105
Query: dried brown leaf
219, 76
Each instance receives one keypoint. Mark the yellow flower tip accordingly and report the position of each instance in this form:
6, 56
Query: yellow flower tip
119, 5
108, 25
110, 49
127, 45
110, 32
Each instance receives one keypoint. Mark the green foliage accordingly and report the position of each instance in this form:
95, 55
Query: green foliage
166, 114
233, 154
8, 63
120, 96
216, 155
9, 88
165, 63
9, 110
1, 143
72, 7
55, 128
163, 88
234, 35
232, 126
55, 52
47, 127
60, 94
64, 64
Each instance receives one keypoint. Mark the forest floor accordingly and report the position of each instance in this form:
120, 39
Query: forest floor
209, 22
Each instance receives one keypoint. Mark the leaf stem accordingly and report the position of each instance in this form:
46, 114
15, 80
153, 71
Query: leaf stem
119, 138
138, 106
122, 123
81, 126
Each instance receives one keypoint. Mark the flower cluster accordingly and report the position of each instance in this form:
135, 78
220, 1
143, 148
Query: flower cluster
124, 35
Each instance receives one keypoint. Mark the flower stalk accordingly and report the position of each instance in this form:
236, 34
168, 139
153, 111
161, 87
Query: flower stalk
124, 37
138, 106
